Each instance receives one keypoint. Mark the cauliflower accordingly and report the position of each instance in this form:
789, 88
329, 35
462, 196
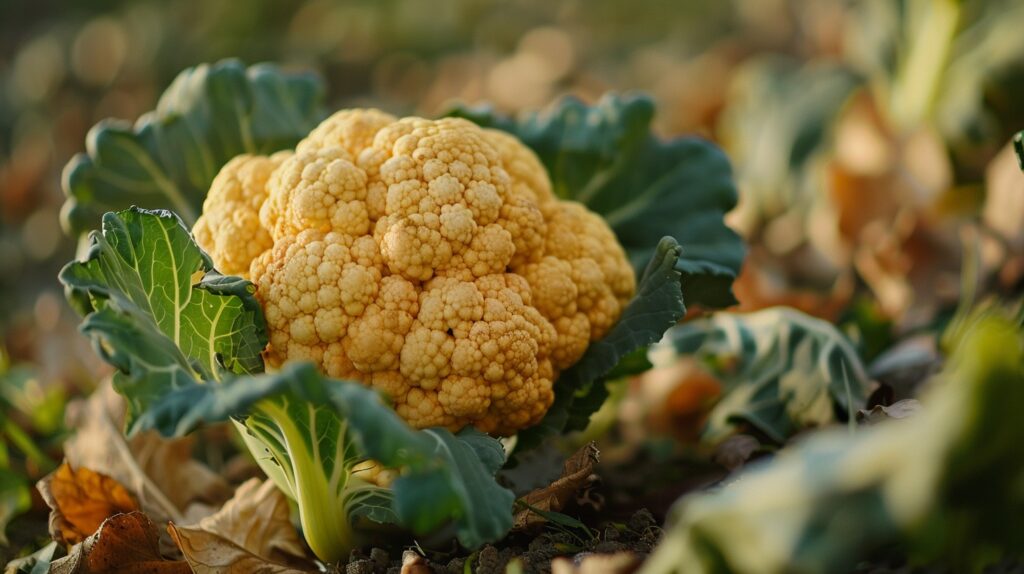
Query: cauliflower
426, 258
230, 229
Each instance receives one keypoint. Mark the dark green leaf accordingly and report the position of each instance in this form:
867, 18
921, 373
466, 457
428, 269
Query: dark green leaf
657, 306
444, 476
151, 318
783, 370
607, 157
208, 115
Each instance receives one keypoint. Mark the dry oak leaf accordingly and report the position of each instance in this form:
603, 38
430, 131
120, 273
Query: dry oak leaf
253, 532
124, 544
576, 474
80, 500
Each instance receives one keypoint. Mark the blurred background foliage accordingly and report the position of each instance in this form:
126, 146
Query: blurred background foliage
869, 137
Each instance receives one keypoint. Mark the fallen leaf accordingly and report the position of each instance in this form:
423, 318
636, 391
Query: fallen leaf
80, 500
124, 544
182, 478
253, 532
576, 473
161, 472
591, 563
898, 410
208, 553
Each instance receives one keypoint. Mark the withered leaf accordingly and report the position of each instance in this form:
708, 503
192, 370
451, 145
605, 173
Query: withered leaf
161, 472
898, 410
124, 544
80, 500
576, 474
253, 532
208, 553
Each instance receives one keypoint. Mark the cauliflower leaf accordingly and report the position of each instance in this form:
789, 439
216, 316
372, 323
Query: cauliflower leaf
943, 483
149, 317
657, 306
782, 370
208, 115
606, 157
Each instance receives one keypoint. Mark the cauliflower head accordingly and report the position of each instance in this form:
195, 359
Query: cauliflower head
426, 258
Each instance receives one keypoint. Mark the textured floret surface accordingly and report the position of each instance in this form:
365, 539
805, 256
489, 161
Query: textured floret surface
426, 258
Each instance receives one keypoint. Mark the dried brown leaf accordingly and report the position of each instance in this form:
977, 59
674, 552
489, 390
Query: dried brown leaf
208, 553
80, 500
124, 544
254, 527
576, 473
160, 472
898, 410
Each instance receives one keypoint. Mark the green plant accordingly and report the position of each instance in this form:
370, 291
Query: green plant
188, 341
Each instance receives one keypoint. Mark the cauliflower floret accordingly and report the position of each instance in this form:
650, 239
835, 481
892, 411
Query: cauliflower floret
430, 260
229, 229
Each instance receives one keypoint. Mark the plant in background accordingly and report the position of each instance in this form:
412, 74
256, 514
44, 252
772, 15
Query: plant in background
943, 483
445, 265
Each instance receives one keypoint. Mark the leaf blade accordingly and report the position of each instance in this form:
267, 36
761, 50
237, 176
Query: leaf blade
207, 115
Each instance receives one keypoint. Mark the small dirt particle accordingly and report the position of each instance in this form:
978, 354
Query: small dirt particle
381, 558
455, 565
362, 566
490, 561
641, 520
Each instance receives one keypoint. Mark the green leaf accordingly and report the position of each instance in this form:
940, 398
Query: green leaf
150, 316
607, 157
657, 306
313, 430
208, 115
14, 499
782, 370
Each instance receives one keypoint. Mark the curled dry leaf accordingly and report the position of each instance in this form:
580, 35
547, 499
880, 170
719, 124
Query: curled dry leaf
253, 532
124, 544
208, 553
161, 472
898, 410
576, 474
80, 500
